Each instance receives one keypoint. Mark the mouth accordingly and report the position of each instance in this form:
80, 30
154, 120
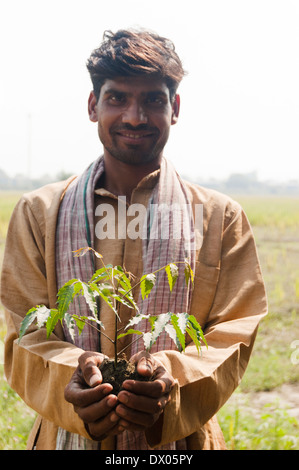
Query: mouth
134, 136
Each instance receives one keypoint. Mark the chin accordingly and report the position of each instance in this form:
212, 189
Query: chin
134, 158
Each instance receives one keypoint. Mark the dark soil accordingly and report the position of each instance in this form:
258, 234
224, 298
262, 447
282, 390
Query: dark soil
117, 375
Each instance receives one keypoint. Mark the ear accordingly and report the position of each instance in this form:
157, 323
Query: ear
175, 109
92, 107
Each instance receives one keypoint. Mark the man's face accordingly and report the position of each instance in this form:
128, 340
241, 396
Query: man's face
134, 116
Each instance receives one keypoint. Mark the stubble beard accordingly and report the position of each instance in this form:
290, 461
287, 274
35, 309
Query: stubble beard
133, 154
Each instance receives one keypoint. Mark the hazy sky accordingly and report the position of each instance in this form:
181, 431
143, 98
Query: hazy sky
239, 102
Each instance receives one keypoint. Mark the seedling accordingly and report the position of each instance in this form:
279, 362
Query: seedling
114, 286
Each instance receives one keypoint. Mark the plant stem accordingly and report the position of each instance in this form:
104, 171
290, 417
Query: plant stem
130, 344
98, 330
154, 272
115, 335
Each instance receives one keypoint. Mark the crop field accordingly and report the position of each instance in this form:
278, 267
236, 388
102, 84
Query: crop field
263, 413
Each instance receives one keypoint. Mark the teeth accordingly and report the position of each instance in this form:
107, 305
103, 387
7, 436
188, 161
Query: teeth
133, 136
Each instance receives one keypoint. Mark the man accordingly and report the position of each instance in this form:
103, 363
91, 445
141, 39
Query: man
134, 102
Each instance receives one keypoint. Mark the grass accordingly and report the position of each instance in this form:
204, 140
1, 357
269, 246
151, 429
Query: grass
8, 200
272, 429
16, 419
275, 222
280, 212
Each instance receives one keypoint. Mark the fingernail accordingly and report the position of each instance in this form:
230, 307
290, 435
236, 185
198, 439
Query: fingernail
123, 398
128, 384
114, 418
94, 380
111, 401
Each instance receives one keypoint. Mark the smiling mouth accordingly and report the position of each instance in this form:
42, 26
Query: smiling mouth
135, 136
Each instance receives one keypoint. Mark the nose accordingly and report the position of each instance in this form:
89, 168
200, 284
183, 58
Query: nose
134, 115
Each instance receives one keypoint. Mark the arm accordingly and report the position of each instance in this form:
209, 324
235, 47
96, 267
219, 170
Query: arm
230, 328
37, 369
44, 372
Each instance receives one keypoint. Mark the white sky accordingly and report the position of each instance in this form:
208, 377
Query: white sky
240, 100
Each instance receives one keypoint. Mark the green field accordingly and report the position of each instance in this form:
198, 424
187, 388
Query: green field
246, 423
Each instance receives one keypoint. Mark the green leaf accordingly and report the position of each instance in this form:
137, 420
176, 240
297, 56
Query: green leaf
106, 289
130, 332
27, 321
124, 288
96, 320
159, 325
135, 320
179, 332
147, 340
123, 279
172, 272
66, 295
70, 323
100, 275
172, 334
147, 283
89, 298
127, 299
152, 319
123, 300
107, 298
192, 333
188, 272
196, 326
182, 321
42, 315
80, 323
53, 318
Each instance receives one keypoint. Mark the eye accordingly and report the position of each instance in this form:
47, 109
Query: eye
116, 98
156, 100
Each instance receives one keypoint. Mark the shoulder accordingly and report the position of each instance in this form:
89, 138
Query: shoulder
215, 204
46, 194
42, 204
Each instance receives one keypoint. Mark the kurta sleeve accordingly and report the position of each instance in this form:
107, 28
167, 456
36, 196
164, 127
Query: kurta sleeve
36, 368
236, 294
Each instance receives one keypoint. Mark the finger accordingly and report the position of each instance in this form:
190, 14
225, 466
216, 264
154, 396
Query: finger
79, 395
154, 389
89, 363
100, 429
145, 365
144, 404
123, 425
140, 418
96, 410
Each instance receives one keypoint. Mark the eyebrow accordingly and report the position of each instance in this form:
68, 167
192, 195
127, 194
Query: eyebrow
114, 90
148, 93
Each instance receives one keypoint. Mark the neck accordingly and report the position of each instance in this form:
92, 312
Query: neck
122, 178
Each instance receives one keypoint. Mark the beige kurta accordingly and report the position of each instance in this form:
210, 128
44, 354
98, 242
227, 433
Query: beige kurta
228, 300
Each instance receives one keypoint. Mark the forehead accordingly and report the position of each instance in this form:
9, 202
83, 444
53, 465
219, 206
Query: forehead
135, 85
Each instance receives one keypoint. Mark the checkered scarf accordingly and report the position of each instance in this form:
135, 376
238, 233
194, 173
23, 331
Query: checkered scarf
75, 229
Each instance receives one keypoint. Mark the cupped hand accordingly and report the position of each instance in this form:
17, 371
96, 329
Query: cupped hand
92, 400
142, 402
